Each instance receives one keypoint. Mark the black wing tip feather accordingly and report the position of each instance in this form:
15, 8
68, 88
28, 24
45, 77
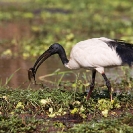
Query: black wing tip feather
123, 49
118, 40
123, 43
114, 43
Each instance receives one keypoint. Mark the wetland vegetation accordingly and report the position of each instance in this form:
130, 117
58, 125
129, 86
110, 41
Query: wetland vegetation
27, 28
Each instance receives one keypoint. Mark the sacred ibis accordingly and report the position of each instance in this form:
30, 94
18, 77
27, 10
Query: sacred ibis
95, 54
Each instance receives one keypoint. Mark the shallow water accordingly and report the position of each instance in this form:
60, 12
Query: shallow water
20, 78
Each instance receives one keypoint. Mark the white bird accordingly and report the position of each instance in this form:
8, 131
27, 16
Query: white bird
95, 54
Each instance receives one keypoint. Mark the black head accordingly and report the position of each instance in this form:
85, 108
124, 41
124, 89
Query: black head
53, 49
58, 49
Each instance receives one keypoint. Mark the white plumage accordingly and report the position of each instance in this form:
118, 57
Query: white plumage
95, 54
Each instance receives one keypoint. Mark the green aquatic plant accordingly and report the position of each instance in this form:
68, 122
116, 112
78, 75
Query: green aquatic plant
103, 126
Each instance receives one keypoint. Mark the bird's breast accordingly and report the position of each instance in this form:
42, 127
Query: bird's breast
72, 64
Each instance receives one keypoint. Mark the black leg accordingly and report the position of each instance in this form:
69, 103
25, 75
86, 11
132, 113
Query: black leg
92, 84
108, 85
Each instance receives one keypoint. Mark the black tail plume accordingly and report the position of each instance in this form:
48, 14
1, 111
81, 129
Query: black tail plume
124, 50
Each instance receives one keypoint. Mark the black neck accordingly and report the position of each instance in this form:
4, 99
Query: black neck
62, 55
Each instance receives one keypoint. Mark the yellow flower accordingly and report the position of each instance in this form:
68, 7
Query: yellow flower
43, 101
74, 110
105, 113
19, 105
5, 97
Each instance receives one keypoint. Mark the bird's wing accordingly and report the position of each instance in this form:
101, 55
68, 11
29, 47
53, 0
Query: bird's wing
124, 50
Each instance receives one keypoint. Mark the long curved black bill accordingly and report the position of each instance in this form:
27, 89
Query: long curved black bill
39, 61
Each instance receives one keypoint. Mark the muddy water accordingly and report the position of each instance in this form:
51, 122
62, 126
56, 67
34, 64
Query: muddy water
20, 78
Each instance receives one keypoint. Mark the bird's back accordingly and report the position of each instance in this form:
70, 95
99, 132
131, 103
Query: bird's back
100, 52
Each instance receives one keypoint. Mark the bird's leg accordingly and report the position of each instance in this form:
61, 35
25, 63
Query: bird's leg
92, 84
108, 85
